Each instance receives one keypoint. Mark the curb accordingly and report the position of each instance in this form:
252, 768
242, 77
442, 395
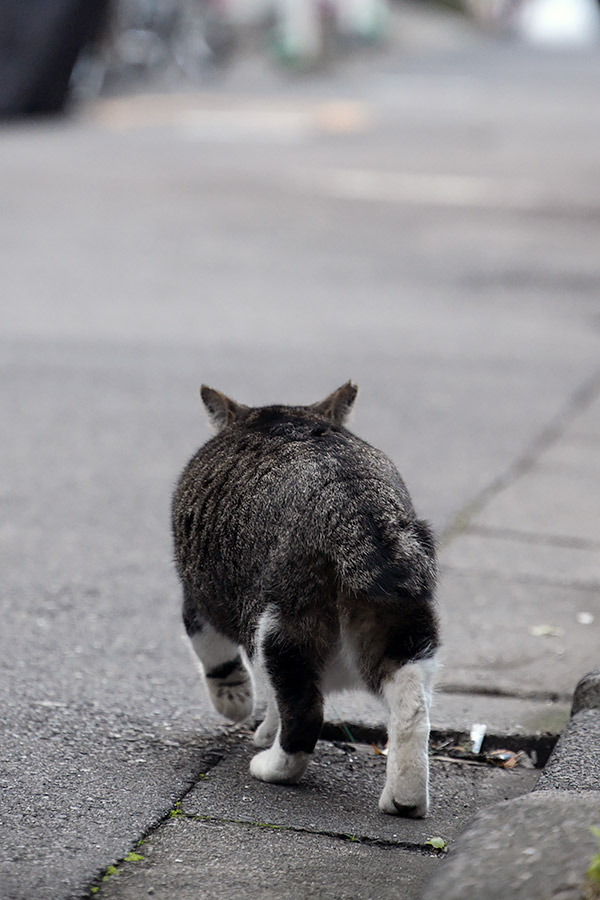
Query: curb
538, 846
587, 693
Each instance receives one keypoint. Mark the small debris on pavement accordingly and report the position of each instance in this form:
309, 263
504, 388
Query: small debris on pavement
505, 759
438, 843
477, 735
546, 631
584, 618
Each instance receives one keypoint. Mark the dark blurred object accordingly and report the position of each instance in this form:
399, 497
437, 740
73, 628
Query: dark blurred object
40, 41
164, 44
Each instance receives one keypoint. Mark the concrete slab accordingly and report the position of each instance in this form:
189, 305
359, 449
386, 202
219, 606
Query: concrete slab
489, 644
549, 501
194, 860
339, 795
574, 764
524, 557
536, 847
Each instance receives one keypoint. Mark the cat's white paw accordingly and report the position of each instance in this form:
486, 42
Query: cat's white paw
265, 733
404, 803
278, 767
234, 701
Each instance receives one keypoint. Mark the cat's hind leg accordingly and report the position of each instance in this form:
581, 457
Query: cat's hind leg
294, 680
395, 641
267, 730
408, 695
227, 677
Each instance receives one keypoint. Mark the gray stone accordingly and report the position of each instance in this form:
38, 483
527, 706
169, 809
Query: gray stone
340, 790
574, 764
587, 692
194, 860
536, 847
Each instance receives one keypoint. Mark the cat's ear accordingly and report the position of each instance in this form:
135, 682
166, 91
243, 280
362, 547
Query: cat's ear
221, 409
338, 405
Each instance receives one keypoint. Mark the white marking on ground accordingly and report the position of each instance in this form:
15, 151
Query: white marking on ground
232, 119
422, 189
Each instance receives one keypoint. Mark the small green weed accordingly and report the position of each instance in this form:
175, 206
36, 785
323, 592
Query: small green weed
437, 843
111, 870
591, 886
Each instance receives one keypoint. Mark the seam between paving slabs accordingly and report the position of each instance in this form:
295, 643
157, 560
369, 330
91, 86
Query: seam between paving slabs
590, 586
423, 849
531, 537
581, 398
213, 760
482, 690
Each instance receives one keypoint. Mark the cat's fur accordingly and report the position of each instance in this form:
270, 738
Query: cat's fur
300, 555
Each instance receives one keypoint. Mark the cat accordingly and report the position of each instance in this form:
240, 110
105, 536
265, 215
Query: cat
301, 557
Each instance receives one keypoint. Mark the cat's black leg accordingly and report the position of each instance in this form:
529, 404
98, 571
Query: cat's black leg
294, 679
227, 678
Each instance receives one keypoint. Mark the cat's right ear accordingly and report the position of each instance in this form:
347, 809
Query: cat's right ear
221, 409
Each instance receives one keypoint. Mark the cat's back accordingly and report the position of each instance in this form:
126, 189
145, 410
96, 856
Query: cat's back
284, 466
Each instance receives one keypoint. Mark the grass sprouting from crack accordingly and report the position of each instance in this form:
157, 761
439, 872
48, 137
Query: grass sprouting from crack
592, 874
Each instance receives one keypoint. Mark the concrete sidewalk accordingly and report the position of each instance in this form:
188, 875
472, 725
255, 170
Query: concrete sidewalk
425, 223
529, 545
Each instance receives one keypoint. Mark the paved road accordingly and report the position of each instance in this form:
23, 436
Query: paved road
426, 224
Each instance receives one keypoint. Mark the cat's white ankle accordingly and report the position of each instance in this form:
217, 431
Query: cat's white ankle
265, 734
277, 766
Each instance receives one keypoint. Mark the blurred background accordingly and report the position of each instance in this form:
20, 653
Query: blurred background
277, 195
52, 49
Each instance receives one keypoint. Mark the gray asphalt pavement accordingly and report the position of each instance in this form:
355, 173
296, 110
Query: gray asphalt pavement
424, 222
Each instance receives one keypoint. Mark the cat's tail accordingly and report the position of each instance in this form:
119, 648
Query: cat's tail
385, 557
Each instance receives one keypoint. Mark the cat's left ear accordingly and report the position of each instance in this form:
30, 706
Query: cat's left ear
221, 410
338, 405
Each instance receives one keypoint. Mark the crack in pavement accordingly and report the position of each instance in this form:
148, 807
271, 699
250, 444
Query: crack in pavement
487, 691
584, 586
412, 846
581, 398
531, 537
211, 761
